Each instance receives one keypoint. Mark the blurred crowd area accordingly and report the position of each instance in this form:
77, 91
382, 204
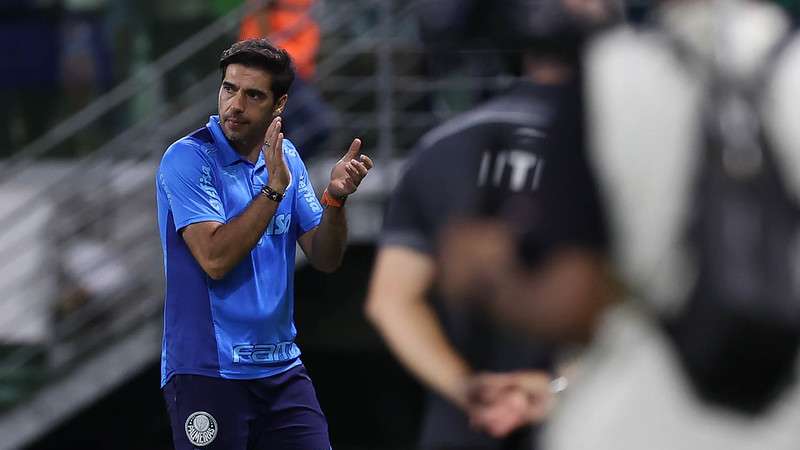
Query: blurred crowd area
60, 55
63, 54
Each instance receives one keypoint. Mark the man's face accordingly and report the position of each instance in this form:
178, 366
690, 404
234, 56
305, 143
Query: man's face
246, 105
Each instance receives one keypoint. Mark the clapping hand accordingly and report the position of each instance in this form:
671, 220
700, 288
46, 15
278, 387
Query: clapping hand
279, 175
349, 171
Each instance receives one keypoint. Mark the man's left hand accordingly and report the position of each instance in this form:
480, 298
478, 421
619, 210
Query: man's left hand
349, 171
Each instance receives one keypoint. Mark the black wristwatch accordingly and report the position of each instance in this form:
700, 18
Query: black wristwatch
272, 194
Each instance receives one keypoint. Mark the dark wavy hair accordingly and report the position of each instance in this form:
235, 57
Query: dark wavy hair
261, 54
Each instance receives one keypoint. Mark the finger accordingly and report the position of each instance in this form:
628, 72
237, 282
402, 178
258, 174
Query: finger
272, 137
353, 172
269, 135
360, 168
367, 161
278, 146
277, 140
353, 151
503, 427
356, 174
275, 153
494, 421
499, 420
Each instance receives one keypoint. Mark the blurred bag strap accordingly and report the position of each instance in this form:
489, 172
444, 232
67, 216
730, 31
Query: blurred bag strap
753, 87
731, 105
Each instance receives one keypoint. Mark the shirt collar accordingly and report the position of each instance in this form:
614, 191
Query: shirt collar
227, 154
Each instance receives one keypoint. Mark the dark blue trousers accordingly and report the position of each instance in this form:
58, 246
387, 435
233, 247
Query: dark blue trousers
274, 413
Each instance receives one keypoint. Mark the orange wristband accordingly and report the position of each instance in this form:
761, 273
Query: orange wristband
329, 200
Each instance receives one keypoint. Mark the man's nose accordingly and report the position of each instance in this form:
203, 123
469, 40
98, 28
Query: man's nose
237, 102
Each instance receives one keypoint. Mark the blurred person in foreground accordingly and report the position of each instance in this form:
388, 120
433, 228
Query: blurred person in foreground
664, 369
489, 388
234, 198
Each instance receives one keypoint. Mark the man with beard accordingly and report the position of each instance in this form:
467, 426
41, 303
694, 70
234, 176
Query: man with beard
234, 198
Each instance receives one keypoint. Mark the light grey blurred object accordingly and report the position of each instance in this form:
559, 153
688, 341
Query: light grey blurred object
28, 282
643, 116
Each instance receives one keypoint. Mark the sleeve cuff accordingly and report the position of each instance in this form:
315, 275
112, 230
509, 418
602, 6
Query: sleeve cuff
196, 219
308, 226
406, 239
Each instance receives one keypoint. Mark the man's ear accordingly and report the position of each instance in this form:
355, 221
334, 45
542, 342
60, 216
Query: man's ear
280, 105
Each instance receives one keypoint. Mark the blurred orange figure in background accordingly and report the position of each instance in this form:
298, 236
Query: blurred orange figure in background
288, 23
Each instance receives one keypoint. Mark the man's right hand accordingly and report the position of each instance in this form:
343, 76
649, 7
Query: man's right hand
279, 175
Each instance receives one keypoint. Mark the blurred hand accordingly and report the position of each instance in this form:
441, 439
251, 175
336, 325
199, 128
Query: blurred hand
475, 258
349, 171
499, 403
559, 299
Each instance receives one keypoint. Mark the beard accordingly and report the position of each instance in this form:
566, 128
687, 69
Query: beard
243, 135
